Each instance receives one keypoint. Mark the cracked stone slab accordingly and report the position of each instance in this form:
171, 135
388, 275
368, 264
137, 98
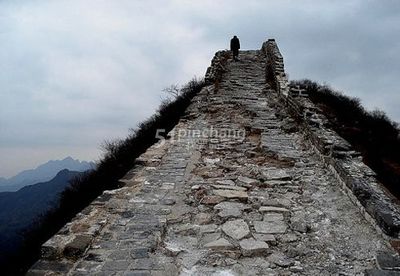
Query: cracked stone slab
289, 237
273, 217
207, 228
210, 237
299, 226
251, 247
280, 259
226, 182
248, 182
230, 213
276, 174
269, 238
231, 194
236, 229
267, 227
220, 244
172, 249
230, 209
202, 218
77, 246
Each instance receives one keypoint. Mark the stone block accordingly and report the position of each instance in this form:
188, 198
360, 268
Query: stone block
273, 217
77, 246
251, 247
220, 244
231, 194
276, 174
266, 227
268, 238
236, 229
280, 259
246, 181
212, 200
388, 261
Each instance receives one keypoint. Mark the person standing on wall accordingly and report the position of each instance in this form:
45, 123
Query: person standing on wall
235, 46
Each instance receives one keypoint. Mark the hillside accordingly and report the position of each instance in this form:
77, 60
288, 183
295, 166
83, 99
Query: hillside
43, 172
120, 156
21, 210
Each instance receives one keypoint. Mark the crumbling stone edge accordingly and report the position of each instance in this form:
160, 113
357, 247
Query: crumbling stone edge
60, 252
217, 69
357, 179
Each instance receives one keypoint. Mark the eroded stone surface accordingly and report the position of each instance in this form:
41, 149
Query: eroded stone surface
252, 247
273, 209
247, 181
270, 227
231, 194
276, 210
236, 229
220, 244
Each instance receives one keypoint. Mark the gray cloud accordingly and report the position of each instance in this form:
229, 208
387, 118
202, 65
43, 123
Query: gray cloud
77, 72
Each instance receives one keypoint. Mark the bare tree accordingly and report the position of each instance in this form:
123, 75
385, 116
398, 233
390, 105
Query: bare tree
172, 90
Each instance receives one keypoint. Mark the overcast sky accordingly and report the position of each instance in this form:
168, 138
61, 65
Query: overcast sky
77, 72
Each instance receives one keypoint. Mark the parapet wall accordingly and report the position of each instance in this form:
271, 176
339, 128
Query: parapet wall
208, 204
217, 68
275, 70
357, 179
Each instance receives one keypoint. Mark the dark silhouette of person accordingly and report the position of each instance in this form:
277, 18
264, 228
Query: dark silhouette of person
235, 46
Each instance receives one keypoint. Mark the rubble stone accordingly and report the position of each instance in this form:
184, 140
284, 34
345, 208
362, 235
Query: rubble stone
231, 194
276, 174
220, 244
280, 259
273, 209
248, 182
236, 229
219, 204
252, 247
269, 238
267, 227
203, 218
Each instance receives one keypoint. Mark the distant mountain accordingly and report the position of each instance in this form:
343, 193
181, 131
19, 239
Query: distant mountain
18, 210
43, 173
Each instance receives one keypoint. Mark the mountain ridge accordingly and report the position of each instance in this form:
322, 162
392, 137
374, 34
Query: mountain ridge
21, 209
42, 173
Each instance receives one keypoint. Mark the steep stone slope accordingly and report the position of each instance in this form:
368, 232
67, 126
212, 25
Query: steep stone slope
236, 190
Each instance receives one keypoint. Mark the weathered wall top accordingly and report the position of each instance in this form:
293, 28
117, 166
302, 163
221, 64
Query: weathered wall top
251, 182
357, 178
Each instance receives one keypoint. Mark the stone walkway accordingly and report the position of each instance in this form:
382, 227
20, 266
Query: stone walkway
235, 191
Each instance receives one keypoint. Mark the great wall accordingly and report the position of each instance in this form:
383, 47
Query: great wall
251, 181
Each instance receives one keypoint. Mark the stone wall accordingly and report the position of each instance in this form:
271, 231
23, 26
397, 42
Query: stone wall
357, 179
275, 70
259, 202
217, 68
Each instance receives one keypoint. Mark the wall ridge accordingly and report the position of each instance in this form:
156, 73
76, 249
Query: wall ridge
358, 179
234, 190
